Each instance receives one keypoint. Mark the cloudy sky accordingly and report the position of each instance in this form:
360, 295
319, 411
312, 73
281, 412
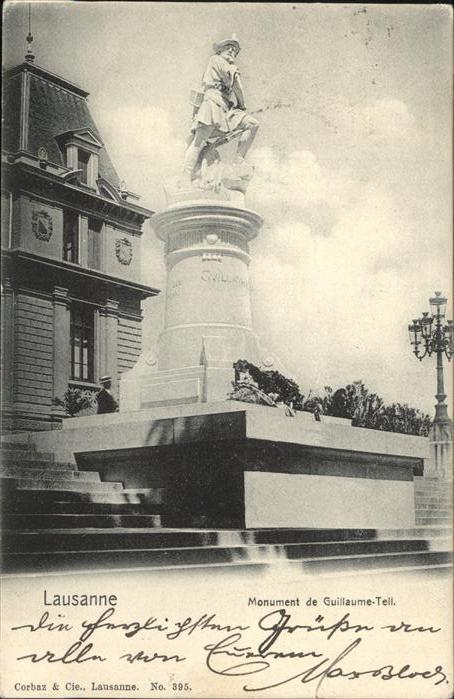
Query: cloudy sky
353, 178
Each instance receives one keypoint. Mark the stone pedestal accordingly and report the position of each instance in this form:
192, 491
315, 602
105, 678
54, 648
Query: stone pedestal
235, 465
440, 465
208, 319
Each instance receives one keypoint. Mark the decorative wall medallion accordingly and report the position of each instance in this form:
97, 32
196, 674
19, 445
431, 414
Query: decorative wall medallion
42, 225
123, 250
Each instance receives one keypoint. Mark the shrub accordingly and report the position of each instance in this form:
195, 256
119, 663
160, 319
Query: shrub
75, 400
273, 383
354, 401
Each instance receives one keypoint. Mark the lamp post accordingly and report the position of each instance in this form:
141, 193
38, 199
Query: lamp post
432, 334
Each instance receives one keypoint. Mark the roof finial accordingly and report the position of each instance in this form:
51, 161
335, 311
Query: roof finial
29, 56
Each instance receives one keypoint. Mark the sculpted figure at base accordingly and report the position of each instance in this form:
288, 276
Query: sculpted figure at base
219, 112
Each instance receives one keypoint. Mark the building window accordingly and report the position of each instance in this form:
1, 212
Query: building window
83, 159
94, 243
70, 236
82, 343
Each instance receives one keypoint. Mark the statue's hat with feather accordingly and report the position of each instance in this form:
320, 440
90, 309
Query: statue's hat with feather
221, 45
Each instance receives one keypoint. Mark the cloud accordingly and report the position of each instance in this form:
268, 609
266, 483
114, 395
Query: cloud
143, 147
297, 187
296, 179
385, 121
384, 141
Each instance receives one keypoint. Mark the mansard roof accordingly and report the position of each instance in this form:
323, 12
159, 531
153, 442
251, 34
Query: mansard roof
41, 106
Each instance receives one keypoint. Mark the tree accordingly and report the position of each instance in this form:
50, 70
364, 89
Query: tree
356, 403
404, 419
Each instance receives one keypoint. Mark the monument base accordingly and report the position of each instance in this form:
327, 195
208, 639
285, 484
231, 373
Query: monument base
210, 381
235, 465
208, 318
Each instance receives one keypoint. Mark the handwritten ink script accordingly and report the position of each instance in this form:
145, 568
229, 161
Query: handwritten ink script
275, 649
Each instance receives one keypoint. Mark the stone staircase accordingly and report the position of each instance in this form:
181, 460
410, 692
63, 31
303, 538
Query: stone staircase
39, 493
433, 501
57, 518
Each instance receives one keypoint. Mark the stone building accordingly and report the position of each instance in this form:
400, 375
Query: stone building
71, 238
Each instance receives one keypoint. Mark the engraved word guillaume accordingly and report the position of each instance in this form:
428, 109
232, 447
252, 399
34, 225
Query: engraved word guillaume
208, 276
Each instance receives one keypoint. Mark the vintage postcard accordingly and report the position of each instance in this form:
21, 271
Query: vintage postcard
226, 351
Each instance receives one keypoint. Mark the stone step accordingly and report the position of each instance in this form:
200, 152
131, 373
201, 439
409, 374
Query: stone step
350, 548
440, 486
216, 556
62, 539
433, 487
80, 539
21, 456
434, 502
433, 506
372, 562
432, 479
433, 495
48, 499
97, 521
84, 508
430, 511
47, 474
43, 465
43, 484
68, 507
446, 500
426, 505
282, 536
21, 446
431, 533
118, 558
433, 520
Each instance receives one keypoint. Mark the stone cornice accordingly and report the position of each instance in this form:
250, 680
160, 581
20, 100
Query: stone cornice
68, 268
67, 192
206, 215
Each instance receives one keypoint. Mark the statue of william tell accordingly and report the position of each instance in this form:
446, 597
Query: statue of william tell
219, 109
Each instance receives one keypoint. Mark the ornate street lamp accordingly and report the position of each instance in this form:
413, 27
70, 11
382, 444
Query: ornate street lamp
432, 334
